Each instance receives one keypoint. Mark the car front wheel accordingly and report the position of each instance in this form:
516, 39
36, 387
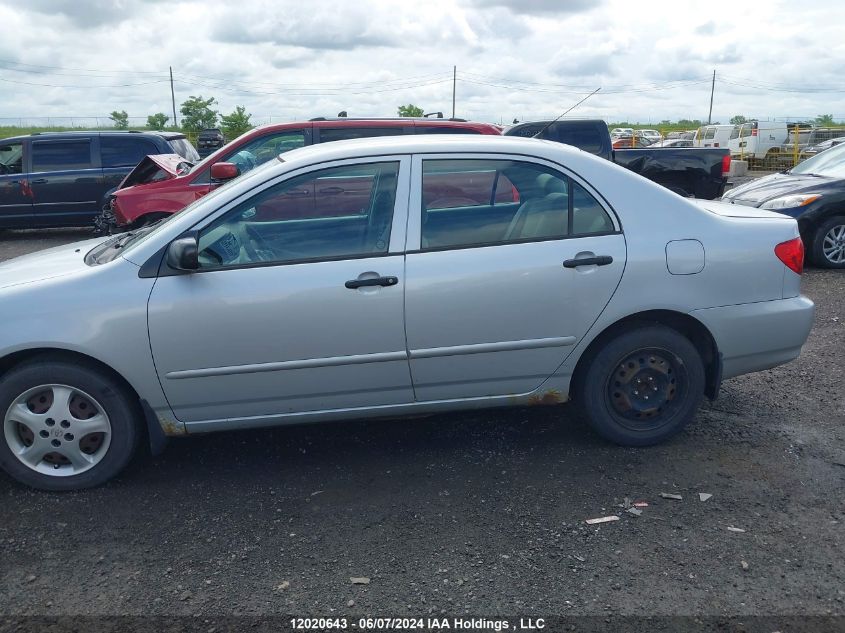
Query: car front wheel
65, 426
642, 386
828, 246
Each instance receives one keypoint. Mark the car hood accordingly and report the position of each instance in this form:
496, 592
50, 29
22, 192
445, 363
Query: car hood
171, 164
738, 210
759, 191
47, 264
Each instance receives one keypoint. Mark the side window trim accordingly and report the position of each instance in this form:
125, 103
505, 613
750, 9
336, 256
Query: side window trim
400, 210
413, 240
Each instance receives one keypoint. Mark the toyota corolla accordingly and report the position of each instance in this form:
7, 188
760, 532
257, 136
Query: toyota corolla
392, 276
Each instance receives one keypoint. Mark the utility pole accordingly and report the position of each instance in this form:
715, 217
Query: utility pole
173, 98
712, 90
454, 81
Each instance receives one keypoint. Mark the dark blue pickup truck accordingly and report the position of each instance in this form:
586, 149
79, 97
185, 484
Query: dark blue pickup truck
689, 171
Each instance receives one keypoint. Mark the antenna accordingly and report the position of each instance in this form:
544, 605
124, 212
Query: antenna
548, 125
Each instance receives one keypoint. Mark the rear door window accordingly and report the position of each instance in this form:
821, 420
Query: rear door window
124, 151
61, 155
328, 134
488, 202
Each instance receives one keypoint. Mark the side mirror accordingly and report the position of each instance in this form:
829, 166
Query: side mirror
224, 171
183, 254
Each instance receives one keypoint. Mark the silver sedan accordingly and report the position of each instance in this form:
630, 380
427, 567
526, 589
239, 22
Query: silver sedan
392, 276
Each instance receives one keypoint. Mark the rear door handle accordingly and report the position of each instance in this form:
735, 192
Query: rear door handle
352, 284
599, 260
39, 181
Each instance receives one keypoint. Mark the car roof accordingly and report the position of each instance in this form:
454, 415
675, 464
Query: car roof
82, 133
427, 144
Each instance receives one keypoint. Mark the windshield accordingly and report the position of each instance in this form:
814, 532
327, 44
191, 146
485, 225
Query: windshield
830, 163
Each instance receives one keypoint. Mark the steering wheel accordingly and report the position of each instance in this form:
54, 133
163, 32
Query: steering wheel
255, 245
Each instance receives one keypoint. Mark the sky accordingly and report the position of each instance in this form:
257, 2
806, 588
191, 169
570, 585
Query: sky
523, 59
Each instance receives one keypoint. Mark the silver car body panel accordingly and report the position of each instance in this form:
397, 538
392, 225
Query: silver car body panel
273, 334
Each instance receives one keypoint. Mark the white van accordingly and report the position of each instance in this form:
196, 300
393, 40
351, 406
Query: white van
714, 135
757, 140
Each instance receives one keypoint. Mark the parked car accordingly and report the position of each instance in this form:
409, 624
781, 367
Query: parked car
141, 201
695, 171
58, 178
812, 150
714, 135
209, 140
627, 142
652, 135
762, 140
812, 192
621, 131
674, 142
583, 282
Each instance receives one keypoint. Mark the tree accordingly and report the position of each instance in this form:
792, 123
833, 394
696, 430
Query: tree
236, 123
825, 120
120, 119
410, 110
197, 114
157, 121
738, 119
689, 122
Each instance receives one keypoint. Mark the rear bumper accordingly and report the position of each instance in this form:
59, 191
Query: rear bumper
756, 336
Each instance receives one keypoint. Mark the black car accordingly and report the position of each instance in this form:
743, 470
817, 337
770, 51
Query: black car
812, 192
59, 178
209, 141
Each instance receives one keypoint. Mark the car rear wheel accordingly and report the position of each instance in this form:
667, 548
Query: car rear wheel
828, 246
65, 426
642, 386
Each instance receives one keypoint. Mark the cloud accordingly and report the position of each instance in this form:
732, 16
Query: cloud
90, 13
539, 7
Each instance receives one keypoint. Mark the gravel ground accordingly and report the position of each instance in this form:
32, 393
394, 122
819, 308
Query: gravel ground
473, 513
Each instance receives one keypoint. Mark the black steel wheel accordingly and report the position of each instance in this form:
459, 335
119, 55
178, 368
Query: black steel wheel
642, 386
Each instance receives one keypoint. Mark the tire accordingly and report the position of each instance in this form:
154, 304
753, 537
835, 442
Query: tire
43, 402
612, 389
827, 248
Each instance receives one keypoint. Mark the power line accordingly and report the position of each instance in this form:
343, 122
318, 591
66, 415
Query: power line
29, 83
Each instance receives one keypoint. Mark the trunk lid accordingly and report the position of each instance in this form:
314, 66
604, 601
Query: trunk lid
739, 211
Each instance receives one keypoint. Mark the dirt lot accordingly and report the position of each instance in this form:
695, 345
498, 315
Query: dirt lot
479, 513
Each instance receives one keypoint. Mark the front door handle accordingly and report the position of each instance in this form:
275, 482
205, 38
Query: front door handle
352, 284
599, 260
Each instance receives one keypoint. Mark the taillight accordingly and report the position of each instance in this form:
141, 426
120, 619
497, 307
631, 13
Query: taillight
754, 131
726, 164
791, 253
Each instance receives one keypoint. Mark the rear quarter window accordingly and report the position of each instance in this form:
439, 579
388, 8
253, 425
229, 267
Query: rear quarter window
125, 151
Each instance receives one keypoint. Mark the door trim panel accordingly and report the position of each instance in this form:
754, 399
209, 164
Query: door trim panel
311, 363
484, 348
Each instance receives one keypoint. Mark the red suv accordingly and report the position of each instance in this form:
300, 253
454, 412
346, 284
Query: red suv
159, 187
